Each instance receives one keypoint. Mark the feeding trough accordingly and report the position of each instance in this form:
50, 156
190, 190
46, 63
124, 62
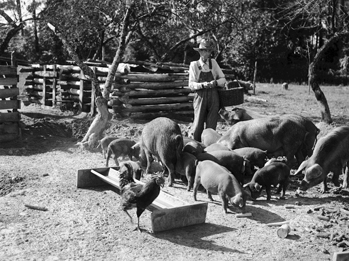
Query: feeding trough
168, 212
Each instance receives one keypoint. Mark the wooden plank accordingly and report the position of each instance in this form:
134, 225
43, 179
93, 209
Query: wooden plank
160, 107
153, 93
9, 81
7, 93
43, 102
162, 100
10, 117
85, 178
153, 85
9, 104
25, 69
166, 219
148, 77
4, 70
49, 74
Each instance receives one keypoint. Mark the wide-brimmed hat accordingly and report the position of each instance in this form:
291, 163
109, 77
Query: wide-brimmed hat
205, 45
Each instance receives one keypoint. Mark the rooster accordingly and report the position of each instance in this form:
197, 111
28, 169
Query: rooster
135, 195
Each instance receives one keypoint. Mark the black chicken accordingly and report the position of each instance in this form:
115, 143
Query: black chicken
135, 195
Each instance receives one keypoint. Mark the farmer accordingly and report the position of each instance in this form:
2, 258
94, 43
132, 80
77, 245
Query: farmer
205, 76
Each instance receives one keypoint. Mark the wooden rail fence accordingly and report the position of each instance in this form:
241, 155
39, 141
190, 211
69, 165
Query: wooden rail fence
9, 105
145, 90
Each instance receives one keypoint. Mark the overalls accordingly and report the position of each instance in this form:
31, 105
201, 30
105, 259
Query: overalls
206, 105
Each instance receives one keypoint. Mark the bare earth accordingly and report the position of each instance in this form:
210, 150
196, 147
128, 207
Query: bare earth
85, 224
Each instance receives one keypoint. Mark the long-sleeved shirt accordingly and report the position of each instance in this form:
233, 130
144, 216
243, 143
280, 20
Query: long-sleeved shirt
194, 73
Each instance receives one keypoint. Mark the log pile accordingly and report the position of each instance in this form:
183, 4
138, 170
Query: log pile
140, 89
9, 105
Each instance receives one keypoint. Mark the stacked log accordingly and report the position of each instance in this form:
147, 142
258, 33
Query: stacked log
9, 105
151, 95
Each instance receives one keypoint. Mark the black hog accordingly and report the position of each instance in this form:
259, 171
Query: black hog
133, 167
192, 146
122, 147
209, 136
216, 179
331, 154
163, 139
276, 173
255, 156
236, 164
186, 166
104, 143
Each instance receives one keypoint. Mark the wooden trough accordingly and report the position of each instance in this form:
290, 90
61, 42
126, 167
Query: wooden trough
168, 212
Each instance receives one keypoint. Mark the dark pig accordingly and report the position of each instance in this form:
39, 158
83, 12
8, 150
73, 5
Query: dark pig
216, 146
192, 146
236, 164
104, 143
133, 167
276, 173
163, 139
122, 147
216, 179
331, 154
209, 136
186, 166
255, 156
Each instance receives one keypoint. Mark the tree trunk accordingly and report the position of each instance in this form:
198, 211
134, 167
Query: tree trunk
119, 54
99, 123
313, 77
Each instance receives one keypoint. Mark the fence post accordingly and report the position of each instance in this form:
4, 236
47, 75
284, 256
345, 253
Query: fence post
81, 91
44, 87
54, 84
92, 109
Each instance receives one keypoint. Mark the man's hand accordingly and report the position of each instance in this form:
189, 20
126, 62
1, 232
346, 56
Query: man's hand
213, 84
208, 85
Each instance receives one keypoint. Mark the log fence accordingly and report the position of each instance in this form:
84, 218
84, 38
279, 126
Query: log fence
144, 90
9, 105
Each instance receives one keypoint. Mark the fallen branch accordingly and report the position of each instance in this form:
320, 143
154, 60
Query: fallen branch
252, 99
36, 207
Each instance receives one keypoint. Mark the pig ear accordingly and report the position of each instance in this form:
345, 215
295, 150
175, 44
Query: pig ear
300, 168
137, 145
313, 172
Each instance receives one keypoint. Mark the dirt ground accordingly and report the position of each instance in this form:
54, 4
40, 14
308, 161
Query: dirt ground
85, 224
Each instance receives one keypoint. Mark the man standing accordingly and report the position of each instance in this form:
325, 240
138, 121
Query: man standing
205, 76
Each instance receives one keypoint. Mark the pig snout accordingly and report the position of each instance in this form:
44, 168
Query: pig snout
239, 201
304, 185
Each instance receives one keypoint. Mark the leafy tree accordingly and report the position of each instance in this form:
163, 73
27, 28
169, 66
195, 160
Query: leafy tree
328, 21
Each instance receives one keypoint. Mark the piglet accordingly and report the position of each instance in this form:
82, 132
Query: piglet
216, 179
236, 164
216, 146
133, 167
275, 173
256, 157
122, 147
209, 136
104, 143
186, 166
